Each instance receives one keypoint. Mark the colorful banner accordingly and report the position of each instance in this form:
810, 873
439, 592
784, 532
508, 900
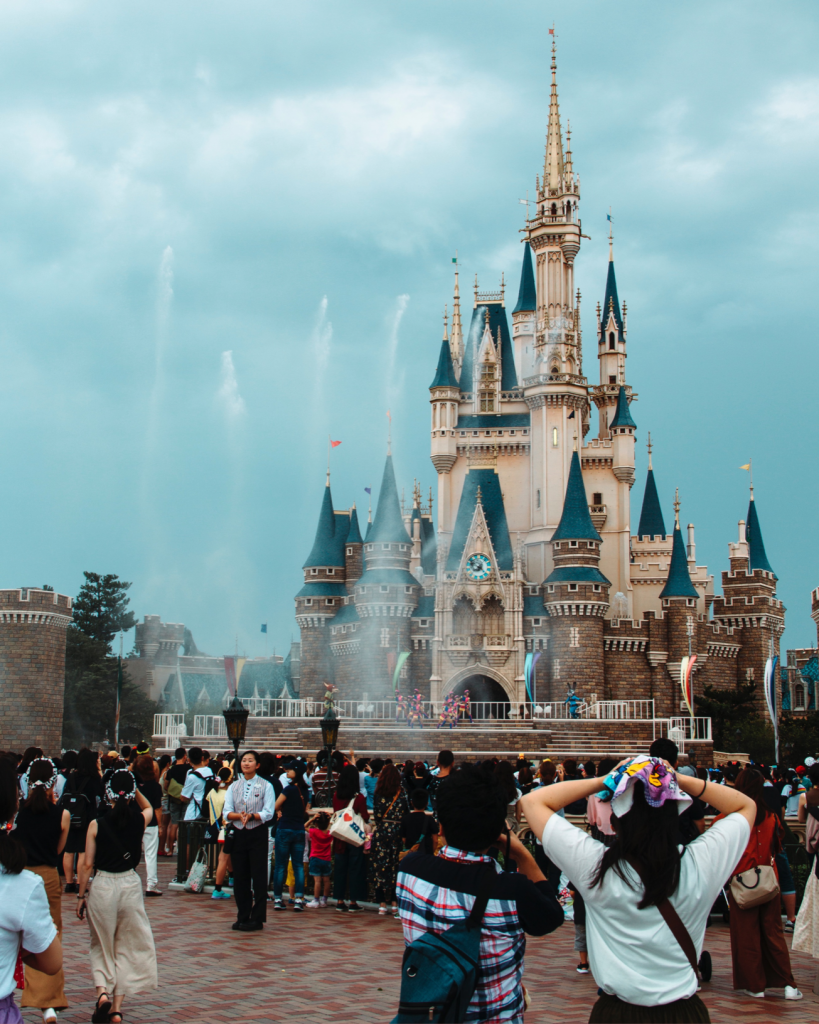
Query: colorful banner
529, 673
230, 675
399, 664
770, 697
686, 665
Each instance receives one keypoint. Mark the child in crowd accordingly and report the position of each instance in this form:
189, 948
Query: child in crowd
320, 864
418, 826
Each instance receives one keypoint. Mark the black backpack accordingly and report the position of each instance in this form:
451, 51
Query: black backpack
77, 804
211, 784
439, 972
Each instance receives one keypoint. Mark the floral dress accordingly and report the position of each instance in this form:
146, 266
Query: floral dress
386, 844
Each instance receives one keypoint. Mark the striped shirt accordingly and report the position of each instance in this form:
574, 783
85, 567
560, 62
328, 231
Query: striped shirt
436, 892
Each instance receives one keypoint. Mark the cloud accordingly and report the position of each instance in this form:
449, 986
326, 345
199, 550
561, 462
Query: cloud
228, 394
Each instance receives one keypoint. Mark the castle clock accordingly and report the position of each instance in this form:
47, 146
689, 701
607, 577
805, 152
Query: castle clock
478, 567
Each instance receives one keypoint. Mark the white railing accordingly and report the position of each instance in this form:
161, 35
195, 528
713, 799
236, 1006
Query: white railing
209, 725
170, 728
689, 730
632, 710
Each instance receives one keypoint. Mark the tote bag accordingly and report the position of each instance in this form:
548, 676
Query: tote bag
348, 825
754, 887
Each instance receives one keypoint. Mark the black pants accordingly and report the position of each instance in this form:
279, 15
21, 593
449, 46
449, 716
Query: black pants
249, 858
350, 867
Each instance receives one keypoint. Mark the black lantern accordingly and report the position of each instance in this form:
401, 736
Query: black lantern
329, 729
236, 721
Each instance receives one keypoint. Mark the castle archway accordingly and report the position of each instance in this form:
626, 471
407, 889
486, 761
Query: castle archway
487, 689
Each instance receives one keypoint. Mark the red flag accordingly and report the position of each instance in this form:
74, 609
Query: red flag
335, 444
551, 31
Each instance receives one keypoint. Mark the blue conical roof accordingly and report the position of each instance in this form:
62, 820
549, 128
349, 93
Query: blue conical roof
445, 374
612, 302
488, 481
756, 548
494, 315
679, 582
388, 525
651, 515
527, 296
622, 415
576, 522
326, 549
353, 534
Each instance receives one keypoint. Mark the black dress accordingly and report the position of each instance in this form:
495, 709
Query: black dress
40, 835
119, 847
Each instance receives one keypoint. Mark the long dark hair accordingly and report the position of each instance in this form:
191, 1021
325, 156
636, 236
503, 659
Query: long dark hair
646, 839
37, 799
12, 853
88, 763
389, 782
751, 782
122, 782
348, 783
31, 754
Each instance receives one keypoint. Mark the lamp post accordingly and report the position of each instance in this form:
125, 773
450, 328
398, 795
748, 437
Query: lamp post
329, 737
236, 721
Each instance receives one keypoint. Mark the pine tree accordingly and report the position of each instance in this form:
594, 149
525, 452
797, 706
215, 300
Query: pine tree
101, 607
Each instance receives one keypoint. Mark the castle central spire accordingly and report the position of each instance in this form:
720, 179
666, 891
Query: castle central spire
553, 164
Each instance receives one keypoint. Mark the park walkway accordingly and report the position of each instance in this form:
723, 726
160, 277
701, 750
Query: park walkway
319, 967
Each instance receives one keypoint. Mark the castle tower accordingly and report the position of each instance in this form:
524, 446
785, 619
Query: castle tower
679, 599
321, 596
523, 317
444, 395
353, 552
652, 524
575, 596
386, 594
749, 604
611, 351
32, 668
556, 391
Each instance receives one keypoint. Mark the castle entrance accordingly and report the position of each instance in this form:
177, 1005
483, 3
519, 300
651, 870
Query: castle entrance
487, 696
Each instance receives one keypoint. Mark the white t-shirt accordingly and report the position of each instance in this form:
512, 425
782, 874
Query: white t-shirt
195, 789
23, 913
633, 953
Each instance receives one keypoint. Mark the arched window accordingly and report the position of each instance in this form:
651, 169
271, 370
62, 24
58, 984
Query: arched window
611, 340
492, 615
554, 209
799, 697
464, 617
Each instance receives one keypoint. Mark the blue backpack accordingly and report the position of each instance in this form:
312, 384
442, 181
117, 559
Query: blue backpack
439, 972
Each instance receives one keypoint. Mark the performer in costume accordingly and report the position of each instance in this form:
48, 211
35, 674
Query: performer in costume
250, 803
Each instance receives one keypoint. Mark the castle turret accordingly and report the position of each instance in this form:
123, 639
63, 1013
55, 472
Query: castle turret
353, 552
756, 546
523, 317
611, 351
652, 523
387, 593
444, 395
576, 595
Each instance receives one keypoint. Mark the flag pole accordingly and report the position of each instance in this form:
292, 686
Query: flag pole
329, 443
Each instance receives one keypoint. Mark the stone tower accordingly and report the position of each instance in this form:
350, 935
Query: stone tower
32, 668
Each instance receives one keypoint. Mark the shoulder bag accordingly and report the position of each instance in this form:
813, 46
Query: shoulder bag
348, 825
754, 887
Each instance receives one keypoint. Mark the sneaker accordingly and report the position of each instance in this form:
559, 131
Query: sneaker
298, 906
220, 894
50, 1016
792, 993
583, 969
152, 892
323, 901
342, 908
278, 904
354, 908
313, 905
754, 995
788, 926
382, 911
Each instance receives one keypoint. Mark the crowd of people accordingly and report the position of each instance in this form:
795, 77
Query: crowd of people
428, 845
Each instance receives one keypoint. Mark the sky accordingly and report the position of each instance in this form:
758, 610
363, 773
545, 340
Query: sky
226, 231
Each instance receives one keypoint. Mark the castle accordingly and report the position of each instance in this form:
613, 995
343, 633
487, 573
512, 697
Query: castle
530, 547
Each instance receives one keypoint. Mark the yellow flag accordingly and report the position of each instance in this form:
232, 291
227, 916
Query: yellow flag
748, 466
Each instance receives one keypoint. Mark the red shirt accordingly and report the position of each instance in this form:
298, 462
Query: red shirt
360, 807
762, 847
320, 843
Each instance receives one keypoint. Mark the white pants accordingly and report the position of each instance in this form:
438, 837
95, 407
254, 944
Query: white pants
150, 845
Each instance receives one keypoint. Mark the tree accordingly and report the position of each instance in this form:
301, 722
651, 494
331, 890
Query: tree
89, 713
101, 607
728, 708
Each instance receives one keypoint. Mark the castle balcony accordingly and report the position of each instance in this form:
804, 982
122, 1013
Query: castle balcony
598, 514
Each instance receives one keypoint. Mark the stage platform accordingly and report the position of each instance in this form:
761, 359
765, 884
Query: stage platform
577, 738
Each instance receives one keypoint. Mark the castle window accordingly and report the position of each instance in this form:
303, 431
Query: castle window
384, 590
612, 379
370, 547
554, 437
385, 637
329, 600
512, 433
799, 697
308, 601
385, 547
423, 623
572, 588
403, 547
611, 340
331, 572
536, 622
597, 498
407, 590
487, 371
554, 209
349, 551
487, 401
574, 637
572, 543
537, 503
525, 431
690, 602
596, 588
551, 588
314, 572
474, 433
463, 433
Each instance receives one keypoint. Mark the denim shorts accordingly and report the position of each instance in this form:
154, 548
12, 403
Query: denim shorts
319, 868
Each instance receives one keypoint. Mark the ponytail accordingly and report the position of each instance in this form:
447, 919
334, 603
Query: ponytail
12, 854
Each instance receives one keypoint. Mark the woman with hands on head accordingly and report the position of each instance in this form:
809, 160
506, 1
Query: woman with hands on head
642, 893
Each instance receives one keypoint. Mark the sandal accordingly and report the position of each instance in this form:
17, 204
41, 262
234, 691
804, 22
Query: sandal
102, 1010
117, 1014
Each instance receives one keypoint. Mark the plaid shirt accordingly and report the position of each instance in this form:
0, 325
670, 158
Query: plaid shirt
431, 897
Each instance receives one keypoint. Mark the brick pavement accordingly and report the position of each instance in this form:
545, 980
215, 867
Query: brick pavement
318, 967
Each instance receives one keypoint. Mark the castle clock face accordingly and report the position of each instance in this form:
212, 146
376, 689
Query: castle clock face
478, 567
